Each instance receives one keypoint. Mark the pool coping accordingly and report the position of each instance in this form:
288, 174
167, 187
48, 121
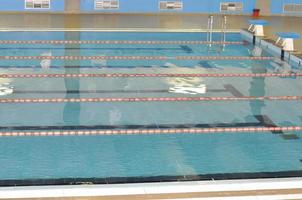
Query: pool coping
150, 179
290, 188
169, 30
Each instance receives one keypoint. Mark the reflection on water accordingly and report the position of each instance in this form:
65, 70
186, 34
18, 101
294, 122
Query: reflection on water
46, 63
187, 85
257, 51
200, 89
99, 62
281, 66
115, 116
6, 89
257, 88
71, 112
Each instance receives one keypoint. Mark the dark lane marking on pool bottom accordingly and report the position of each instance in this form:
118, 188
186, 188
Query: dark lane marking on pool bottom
235, 92
151, 179
186, 48
290, 136
116, 127
151, 99
263, 120
267, 122
100, 91
151, 75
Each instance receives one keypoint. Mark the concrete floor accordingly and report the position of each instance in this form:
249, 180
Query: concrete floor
165, 21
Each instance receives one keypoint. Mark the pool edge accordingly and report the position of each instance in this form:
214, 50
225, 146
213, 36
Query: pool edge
271, 47
291, 187
113, 30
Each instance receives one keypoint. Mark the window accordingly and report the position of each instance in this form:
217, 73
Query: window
231, 7
106, 4
37, 4
170, 5
292, 8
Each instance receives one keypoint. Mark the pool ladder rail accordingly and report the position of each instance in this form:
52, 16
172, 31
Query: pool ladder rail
210, 31
223, 22
223, 31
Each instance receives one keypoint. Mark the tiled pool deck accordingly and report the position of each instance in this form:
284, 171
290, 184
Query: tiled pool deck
253, 194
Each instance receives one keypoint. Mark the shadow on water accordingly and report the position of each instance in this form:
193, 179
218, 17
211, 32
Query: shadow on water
71, 111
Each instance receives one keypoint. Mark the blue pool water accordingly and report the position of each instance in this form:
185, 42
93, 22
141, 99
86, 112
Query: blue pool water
127, 158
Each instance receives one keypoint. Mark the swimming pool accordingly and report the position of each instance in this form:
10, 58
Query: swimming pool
105, 107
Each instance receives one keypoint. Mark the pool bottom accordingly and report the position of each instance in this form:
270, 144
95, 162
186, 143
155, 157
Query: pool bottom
151, 179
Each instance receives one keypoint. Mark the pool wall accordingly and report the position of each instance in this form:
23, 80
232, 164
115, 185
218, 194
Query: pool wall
152, 6
273, 7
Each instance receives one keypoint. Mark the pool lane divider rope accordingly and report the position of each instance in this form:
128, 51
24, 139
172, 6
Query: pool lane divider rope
150, 99
248, 130
135, 58
116, 42
147, 75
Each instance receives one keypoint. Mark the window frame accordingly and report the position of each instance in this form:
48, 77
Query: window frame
291, 12
33, 1
117, 8
167, 1
228, 11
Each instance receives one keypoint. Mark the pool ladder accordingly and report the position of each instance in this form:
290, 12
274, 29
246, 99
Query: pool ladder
223, 22
210, 31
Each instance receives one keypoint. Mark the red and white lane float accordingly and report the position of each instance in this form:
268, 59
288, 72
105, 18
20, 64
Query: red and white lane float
150, 99
83, 57
135, 58
224, 58
56, 42
238, 130
119, 75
